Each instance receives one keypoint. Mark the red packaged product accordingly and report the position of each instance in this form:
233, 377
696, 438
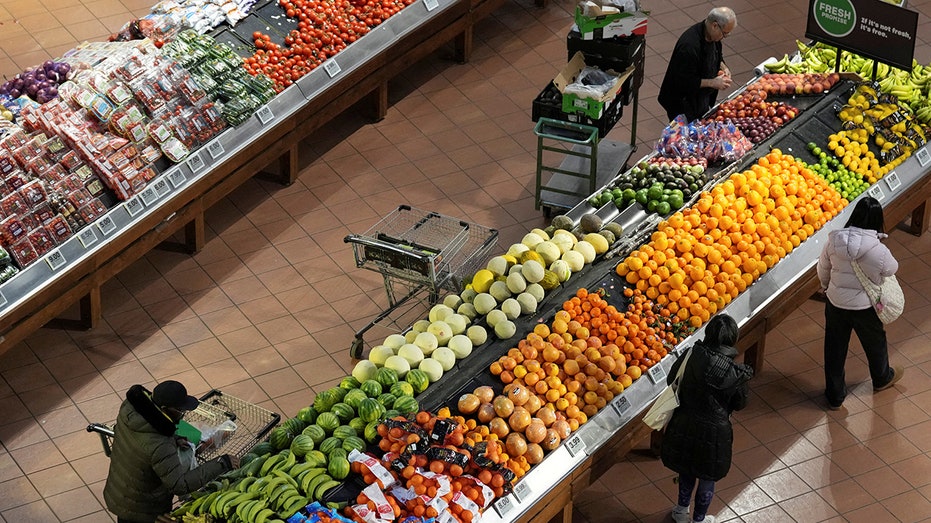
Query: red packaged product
43, 213
58, 228
54, 173
11, 230
29, 221
34, 193
95, 186
7, 165
79, 197
23, 252
84, 172
14, 204
41, 240
5, 191
70, 160
16, 179
148, 173
38, 165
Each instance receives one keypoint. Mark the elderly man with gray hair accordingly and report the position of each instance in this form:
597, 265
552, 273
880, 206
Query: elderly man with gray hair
696, 70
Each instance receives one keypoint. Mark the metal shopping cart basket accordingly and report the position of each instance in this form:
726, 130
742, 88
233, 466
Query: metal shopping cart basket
253, 423
418, 253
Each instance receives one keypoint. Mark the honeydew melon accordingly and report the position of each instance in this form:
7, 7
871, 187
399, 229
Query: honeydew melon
541, 233
379, 354
439, 312
364, 370
461, 345
500, 291
394, 341
495, 317
517, 249
587, 250
427, 342
563, 242
445, 356
467, 310
468, 295
575, 259
484, 303
532, 271
528, 304
516, 283
477, 334
511, 308
412, 353
536, 290
498, 265
458, 323
561, 269
420, 325
442, 331
453, 301
398, 364
432, 368
505, 329
531, 239
549, 251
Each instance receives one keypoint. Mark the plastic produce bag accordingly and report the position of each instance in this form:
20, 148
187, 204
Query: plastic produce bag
214, 437
592, 83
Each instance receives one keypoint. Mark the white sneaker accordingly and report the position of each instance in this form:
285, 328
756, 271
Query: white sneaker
708, 519
680, 514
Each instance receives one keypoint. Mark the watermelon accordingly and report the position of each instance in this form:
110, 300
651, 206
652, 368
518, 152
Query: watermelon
315, 432
402, 388
344, 431
263, 448
328, 422
325, 400
349, 383
354, 397
406, 405
329, 444
343, 411
337, 453
246, 458
294, 425
371, 432
353, 443
315, 457
358, 424
338, 468
387, 399
280, 438
308, 415
371, 388
391, 414
340, 393
387, 377
371, 410
418, 380
301, 445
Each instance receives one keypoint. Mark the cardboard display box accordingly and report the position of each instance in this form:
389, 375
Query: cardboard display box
592, 107
610, 25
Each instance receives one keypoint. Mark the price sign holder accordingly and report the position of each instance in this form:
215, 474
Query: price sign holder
621, 406
431, 4
55, 259
3, 301
575, 445
522, 491
106, 225
177, 178
161, 187
215, 149
505, 506
149, 196
265, 114
87, 237
657, 374
924, 157
892, 181
133, 206
877, 192
195, 163
331, 67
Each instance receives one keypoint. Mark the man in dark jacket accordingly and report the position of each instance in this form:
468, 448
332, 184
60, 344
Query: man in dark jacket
150, 464
696, 70
699, 438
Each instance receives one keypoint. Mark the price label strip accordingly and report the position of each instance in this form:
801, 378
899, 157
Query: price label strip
216, 149
195, 163
877, 192
892, 181
924, 157
177, 178
657, 374
55, 259
621, 405
575, 445
3, 301
331, 67
133, 206
265, 114
431, 4
149, 196
106, 225
161, 187
87, 237
505, 506
522, 491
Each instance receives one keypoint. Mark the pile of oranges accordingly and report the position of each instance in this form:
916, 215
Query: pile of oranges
701, 258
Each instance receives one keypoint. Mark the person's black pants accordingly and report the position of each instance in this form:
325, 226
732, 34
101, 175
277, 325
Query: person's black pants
838, 324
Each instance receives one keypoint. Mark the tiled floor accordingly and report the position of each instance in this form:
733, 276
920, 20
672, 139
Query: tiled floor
267, 310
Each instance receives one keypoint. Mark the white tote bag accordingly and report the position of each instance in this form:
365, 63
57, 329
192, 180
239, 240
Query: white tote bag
887, 298
661, 412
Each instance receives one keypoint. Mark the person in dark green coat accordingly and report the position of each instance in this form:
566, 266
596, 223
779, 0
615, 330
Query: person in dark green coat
149, 464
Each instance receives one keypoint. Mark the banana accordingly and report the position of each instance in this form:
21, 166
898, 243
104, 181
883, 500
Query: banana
273, 485
311, 489
289, 461
298, 503
286, 500
252, 468
270, 464
244, 483
263, 515
278, 492
287, 477
308, 477
257, 507
220, 509
324, 487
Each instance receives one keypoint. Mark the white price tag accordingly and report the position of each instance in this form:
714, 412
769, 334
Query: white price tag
877, 192
215, 149
657, 374
177, 178
106, 225
431, 4
3, 301
133, 206
149, 196
195, 163
265, 114
892, 181
522, 491
575, 445
161, 187
505, 506
621, 405
924, 157
87, 237
331, 67
55, 259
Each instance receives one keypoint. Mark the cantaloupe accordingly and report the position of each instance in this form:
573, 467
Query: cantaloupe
499, 290
548, 250
438, 312
427, 342
484, 303
495, 317
516, 283
511, 308
379, 354
532, 271
477, 334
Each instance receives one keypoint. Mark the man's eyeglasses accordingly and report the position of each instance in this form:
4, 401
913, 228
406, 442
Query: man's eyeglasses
721, 28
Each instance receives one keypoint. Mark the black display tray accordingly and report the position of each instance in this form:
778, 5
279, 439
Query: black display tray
239, 46
274, 15
252, 23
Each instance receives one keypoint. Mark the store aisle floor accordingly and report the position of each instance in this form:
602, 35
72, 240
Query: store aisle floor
268, 309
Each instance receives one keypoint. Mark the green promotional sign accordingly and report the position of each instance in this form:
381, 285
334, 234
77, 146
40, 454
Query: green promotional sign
835, 17
870, 28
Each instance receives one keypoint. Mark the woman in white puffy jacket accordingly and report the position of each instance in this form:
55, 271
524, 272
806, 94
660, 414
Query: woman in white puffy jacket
848, 306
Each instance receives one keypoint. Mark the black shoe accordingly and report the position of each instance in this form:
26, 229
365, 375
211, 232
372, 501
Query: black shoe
832, 406
897, 373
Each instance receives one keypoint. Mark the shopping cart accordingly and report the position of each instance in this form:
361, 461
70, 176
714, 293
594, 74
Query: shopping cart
419, 254
252, 424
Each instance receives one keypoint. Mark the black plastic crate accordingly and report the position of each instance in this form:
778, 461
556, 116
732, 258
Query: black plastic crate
548, 104
623, 50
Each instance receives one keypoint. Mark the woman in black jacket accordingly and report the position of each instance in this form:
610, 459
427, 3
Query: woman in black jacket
699, 438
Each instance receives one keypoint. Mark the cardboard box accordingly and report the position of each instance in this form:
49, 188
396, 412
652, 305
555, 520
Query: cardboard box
592, 107
610, 25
